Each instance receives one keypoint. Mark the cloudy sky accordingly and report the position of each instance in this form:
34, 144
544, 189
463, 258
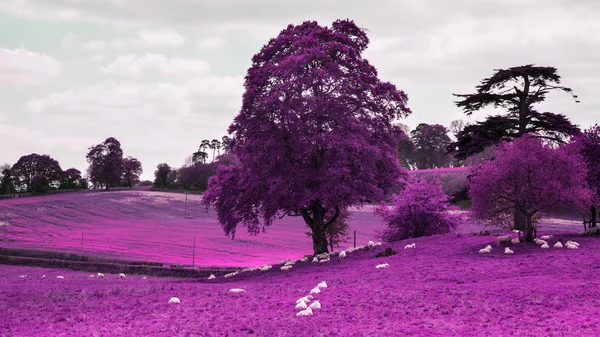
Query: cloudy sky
160, 76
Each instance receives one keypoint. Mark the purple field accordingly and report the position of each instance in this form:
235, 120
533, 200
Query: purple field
150, 226
441, 288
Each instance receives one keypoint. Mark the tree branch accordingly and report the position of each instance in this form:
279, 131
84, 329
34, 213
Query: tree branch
333, 219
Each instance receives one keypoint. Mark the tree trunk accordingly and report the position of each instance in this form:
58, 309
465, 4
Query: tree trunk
520, 220
318, 226
528, 230
319, 239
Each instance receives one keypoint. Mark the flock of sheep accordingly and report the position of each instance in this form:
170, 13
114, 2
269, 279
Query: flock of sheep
542, 242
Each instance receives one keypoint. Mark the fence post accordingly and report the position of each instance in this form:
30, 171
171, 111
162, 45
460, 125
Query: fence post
194, 253
354, 238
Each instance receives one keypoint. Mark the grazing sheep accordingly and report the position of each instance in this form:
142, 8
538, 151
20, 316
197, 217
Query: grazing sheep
91, 276
516, 231
43, 276
570, 245
558, 245
212, 277
60, 277
231, 274
305, 312
489, 247
22, 276
323, 256
143, 277
236, 290
484, 251
121, 276
290, 263
378, 244
380, 266
503, 239
410, 246
304, 259
322, 285
371, 244
515, 241
540, 242
301, 305
284, 268
315, 259
315, 290
545, 246
100, 275
508, 251
324, 261
174, 300
342, 255
265, 267
546, 237
315, 305
306, 298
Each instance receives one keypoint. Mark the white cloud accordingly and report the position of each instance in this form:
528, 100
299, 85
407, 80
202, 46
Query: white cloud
99, 58
155, 64
211, 43
68, 40
94, 45
20, 67
161, 38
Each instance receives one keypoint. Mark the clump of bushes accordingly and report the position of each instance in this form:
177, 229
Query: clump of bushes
387, 252
421, 209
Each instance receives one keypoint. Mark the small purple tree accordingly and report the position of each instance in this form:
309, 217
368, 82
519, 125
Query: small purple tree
421, 209
315, 133
532, 177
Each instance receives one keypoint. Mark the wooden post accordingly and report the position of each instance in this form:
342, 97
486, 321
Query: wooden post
194, 253
354, 238
593, 216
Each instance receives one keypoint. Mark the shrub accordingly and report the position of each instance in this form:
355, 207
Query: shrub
387, 252
421, 209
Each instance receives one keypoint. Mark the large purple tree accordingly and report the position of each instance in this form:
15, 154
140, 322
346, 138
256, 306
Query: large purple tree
314, 135
106, 163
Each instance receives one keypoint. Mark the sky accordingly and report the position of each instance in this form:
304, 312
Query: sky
161, 76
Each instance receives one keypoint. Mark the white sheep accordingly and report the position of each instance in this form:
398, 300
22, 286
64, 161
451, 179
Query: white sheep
502, 239
540, 242
573, 243
236, 290
306, 298
305, 312
315, 290
290, 263
558, 245
323, 256
304, 259
91, 276
174, 300
378, 244
301, 305
60, 277
231, 274
545, 246
23, 276
380, 266
488, 247
315, 259
324, 261
212, 277
143, 277
43, 276
571, 246
284, 268
315, 305
121, 276
265, 267
371, 244
484, 251
515, 241
516, 231
322, 285
100, 275
508, 251
410, 246
342, 255
546, 237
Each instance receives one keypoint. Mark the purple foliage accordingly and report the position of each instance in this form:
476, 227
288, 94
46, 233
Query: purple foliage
532, 177
421, 209
588, 145
314, 134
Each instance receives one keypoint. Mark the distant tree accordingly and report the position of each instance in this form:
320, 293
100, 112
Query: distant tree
146, 183
132, 169
33, 165
314, 134
70, 178
215, 145
83, 184
199, 157
204, 145
173, 179
106, 163
421, 209
405, 149
161, 174
39, 184
196, 177
531, 176
6, 180
225, 144
501, 90
430, 142
588, 145
456, 126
